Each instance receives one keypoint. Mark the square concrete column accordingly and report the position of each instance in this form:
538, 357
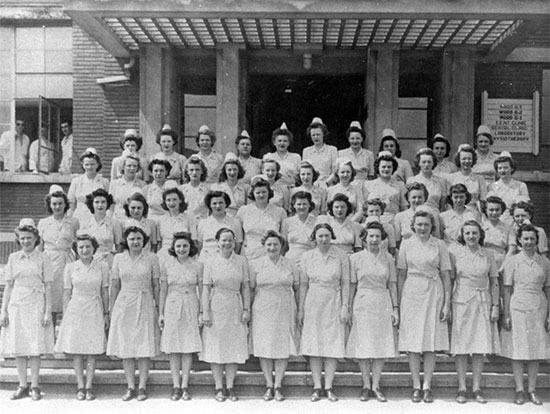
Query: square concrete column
158, 97
456, 112
231, 96
381, 92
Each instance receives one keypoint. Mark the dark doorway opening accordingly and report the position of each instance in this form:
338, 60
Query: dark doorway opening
337, 100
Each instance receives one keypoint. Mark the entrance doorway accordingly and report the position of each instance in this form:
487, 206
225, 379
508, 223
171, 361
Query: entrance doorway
274, 99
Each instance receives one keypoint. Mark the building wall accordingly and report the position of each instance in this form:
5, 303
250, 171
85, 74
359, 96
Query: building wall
100, 114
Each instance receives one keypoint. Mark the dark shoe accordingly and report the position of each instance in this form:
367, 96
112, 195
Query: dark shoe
90, 396
316, 395
81, 394
479, 397
35, 394
185, 396
416, 396
141, 394
520, 398
20, 392
279, 394
364, 396
268, 394
176, 394
219, 395
232, 396
428, 396
130, 394
380, 397
534, 398
461, 397
331, 395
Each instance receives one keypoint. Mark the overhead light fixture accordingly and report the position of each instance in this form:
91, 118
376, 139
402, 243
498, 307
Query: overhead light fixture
308, 50
307, 61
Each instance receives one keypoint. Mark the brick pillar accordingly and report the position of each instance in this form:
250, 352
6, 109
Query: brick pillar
456, 113
158, 101
382, 92
231, 96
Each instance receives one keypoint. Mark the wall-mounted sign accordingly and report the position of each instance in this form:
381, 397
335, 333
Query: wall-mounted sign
514, 122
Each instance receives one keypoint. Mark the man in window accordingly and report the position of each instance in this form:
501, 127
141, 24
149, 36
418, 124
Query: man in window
14, 148
46, 161
66, 148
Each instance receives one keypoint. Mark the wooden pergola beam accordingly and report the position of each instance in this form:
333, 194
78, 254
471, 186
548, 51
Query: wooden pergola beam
101, 33
499, 51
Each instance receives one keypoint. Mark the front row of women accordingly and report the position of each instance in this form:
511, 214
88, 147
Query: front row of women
318, 299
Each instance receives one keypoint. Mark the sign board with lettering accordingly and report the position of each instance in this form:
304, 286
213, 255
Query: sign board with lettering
514, 123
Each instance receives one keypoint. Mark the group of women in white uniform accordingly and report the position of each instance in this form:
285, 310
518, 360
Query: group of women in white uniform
336, 254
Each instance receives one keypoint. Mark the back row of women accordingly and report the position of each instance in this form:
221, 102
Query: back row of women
338, 271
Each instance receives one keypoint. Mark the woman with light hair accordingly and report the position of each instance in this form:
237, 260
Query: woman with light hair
206, 139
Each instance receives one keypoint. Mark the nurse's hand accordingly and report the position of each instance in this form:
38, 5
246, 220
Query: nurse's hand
106, 321
161, 322
547, 324
47, 319
246, 316
507, 323
300, 317
4, 320
395, 317
344, 314
494, 313
206, 319
445, 314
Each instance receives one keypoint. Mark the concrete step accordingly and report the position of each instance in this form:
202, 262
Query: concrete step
296, 384
444, 363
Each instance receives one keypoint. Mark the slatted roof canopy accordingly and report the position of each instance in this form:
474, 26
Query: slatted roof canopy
283, 33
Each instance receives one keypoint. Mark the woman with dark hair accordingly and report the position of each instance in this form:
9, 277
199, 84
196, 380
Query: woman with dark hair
372, 211
442, 150
475, 300
213, 161
373, 298
26, 318
452, 220
344, 178
282, 139
258, 217
497, 233
84, 184
389, 142
426, 160
195, 187
465, 159
217, 202
85, 312
525, 337
321, 156
57, 233
417, 193
167, 139
252, 165
507, 188
231, 183
347, 232
137, 209
274, 284
226, 312
324, 308
271, 170
179, 310
308, 181
485, 157
523, 212
130, 143
134, 300
361, 158
386, 187
159, 169
123, 187
177, 220
297, 228
424, 288
106, 230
